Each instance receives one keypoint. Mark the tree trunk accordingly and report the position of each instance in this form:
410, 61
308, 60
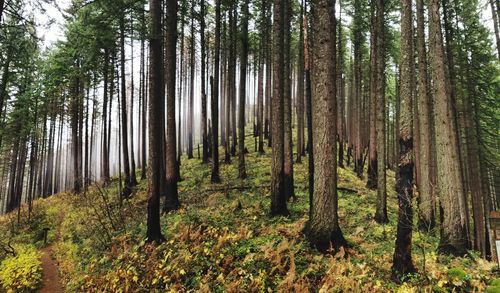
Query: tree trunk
190, 123
381, 211
133, 178
324, 231
287, 107
300, 88
372, 146
172, 197
144, 101
450, 186
426, 200
203, 125
357, 85
278, 196
105, 152
402, 260
214, 103
242, 174
156, 110
126, 162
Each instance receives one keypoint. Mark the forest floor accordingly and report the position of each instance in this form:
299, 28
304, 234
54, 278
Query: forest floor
223, 240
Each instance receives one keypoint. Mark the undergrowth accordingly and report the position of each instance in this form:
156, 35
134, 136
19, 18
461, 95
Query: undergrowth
222, 239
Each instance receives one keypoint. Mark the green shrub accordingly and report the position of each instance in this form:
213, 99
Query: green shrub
23, 272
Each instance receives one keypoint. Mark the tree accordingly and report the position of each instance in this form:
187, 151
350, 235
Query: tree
300, 89
190, 117
450, 186
242, 174
204, 139
426, 203
379, 90
172, 197
130, 180
214, 103
155, 127
324, 231
105, 152
402, 261
278, 196
287, 107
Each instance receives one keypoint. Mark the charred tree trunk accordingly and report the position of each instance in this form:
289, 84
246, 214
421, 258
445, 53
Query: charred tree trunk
402, 260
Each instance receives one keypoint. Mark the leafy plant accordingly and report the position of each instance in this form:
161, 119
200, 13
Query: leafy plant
22, 272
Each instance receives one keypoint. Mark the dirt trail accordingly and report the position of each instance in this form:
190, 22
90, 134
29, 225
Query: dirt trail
51, 281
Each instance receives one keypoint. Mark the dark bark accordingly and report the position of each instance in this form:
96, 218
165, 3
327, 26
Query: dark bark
105, 152
172, 197
127, 190
191, 85
278, 196
242, 174
214, 103
156, 110
402, 260
287, 107
300, 89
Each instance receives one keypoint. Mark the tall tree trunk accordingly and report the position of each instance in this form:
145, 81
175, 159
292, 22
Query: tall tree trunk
341, 133
357, 85
278, 196
133, 177
105, 152
232, 84
144, 100
125, 153
242, 173
450, 186
372, 146
75, 118
308, 102
203, 125
402, 260
156, 109
260, 101
300, 88
324, 231
287, 107
227, 88
214, 103
381, 212
268, 75
172, 197
191, 89
426, 200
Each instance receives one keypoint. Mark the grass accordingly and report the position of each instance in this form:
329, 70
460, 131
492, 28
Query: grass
223, 240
